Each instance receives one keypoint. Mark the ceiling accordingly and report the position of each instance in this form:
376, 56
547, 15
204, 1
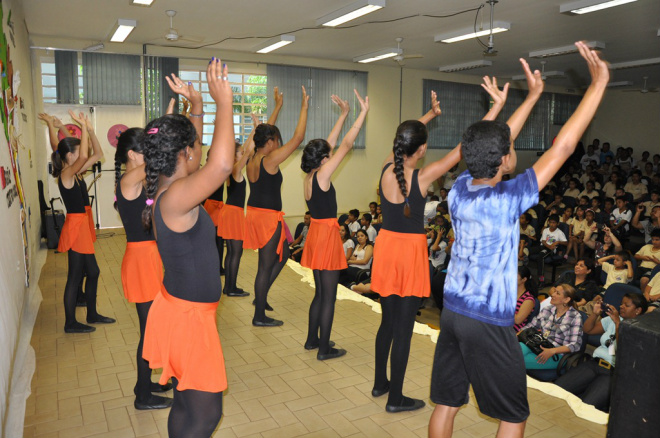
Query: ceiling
630, 31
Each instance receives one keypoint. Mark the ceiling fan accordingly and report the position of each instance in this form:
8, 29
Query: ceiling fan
173, 35
644, 90
399, 59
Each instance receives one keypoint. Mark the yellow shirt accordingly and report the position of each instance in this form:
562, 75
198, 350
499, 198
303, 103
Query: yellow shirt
648, 250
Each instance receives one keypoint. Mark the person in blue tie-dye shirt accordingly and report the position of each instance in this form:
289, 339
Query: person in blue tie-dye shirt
476, 344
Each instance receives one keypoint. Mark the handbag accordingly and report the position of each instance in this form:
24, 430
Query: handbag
534, 339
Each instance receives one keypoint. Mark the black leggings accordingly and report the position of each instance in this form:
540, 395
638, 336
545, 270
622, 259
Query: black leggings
143, 385
79, 264
269, 268
194, 414
232, 262
322, 309
395, 331
220, 243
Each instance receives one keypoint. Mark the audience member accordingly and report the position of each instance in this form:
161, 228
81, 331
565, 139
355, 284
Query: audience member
298, 243
648, 225
527, 291
619, 271
620, 217
352, 221
635, 187
348, 243
551, 238
366, 225
649, 258
359, 260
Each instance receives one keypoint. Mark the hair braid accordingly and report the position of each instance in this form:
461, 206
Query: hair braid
117, 176
398, 171
151, 187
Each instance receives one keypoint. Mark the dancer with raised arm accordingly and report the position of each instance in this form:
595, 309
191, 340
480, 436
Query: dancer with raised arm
265, 218
324, 251
476, 345
182, 334
400, 272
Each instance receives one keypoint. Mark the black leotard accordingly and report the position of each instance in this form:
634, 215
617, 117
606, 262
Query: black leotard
236, 192
265, 192
72, 198
217, 195
83, 189
190, 259
322, 205
393, 217
130, 213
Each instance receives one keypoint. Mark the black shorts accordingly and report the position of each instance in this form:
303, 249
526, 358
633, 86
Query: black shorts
484, 355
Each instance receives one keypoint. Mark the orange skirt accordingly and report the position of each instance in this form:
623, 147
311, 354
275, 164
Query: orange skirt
260, 226
141, 271
401, 265
90, 217
323, 248
182, 339
213, 208
76, 234
232, 223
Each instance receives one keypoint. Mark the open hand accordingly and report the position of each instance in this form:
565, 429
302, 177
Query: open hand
79, 119
598, 69
170, 106
435, 105
498, 96
305, 98
342, 104
255, 120
534, 80
186, 90
46, 118
364, 103
546, 354
279, 98
219, 88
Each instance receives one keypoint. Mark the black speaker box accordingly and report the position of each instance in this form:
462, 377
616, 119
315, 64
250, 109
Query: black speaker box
635, 403
54, 224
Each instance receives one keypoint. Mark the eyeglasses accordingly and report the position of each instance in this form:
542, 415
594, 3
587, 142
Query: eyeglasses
610, 341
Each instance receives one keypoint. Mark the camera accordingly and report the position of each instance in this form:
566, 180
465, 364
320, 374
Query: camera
603, 311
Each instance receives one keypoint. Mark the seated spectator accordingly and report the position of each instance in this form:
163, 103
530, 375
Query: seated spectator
584, 201
366, 225
605, 244
652, 293
447, 180
649, 258
443, 194
608, 207
590, 190
576, 231
581, 279
605, 152
443, 209
636, 187
656, 163
558, 202
647, 174
620, 217
361, 259
352, 221
525, 226
625, 161
619, 271
590, 156
551, 238
604, 171
430, 210
345, 235
648, 225
437, 250
591, 380
296, 247
595, 204
609, 189
527, 291
653, 202
573, 191
372, 210
561, 324
378, 219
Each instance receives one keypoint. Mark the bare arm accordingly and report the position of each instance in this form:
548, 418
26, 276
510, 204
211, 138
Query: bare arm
524, 311
52, 131
277, 157
248, 148
591, 325
343, 106
602, 260
131, 182
83, 155
88, 134
368, 252
550, 162
97, 152
196, 114
635, 220
279, 101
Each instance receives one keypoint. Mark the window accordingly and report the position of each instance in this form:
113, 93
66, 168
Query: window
49, 82
249, 97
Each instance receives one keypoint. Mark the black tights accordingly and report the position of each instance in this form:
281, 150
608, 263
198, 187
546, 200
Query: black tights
143, 385
232, 262
79, 264
395, 331
322, 309
194, 414
269, 268
220, 243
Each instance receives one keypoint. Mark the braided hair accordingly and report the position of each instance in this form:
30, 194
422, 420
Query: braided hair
129, 140
58, 158
163, 139
410, 135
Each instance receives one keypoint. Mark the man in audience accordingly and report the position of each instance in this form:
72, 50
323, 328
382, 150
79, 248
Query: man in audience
590, 156
296, 247
366, 226
352, 221
606, 152
648, 225
430, 210
636, 187
649, 258
621, 216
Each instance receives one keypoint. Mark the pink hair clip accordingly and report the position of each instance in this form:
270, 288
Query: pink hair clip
115, 198
150, 201
153, 131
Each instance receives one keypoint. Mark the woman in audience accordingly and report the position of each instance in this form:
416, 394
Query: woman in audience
347, 242
323, 251
77, 237
527, 291
591, 380
182, 333
561, 324
264, 219
606, 243
581, 280
360, 259
401, 274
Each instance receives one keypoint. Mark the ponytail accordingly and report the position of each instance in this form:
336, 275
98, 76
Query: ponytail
65, 146
56, 159
129, 140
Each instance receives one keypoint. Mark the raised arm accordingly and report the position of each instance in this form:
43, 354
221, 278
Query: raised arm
131, 182
535, 87
97, 152
52, 131
325, 172
635, 220
196, 114
279, 101
343, 106
83, 150
276, 157
551, 161
248, 148
90, 137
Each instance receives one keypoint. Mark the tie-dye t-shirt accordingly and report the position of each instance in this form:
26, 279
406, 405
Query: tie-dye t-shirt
482, 274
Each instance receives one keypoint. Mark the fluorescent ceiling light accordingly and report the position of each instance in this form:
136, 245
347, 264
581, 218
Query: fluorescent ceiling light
633, 64
586, 6
124, 28
350, 12
377, 55
619, 84
544, 75
274, 43
94, 47
140, 2
465, 66
564, 50
467, 33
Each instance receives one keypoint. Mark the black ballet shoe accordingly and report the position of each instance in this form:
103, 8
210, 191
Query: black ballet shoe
268, 322
378, 392
154, 402
332, 354
157, 387
407, 404
237, 293
78, 327
270, 309
315, 346
100, 319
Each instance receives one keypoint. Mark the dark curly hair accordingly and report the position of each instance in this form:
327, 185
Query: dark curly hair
66, 145
173, 133
265, 132
483, 146
410, 135
129, 140
639, 301
313, 153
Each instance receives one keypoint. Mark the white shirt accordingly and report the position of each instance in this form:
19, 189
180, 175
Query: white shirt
371, 233
430, 210
438, 257
348, 245
550, 237
354, 227
618, 216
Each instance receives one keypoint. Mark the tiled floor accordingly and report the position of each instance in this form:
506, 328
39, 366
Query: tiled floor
83, 385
